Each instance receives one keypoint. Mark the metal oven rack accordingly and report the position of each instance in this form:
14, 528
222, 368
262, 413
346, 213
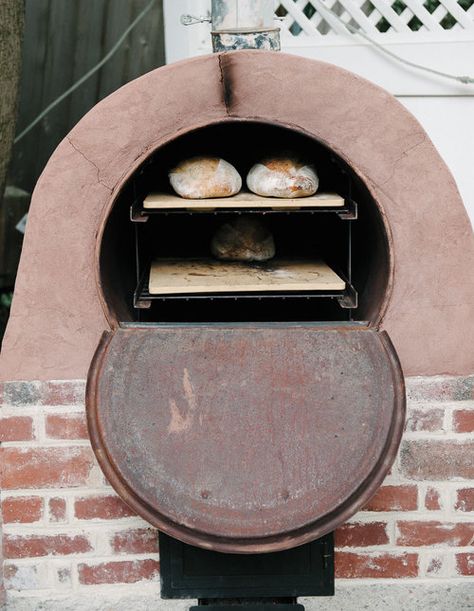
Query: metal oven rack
347, 298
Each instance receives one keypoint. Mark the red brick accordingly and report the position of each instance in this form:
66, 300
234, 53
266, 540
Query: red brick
465, 563
465, 499
435, 533
57, 509
63, 392
425, 420
463, 421
16, 428
33, 546
135, 541
101, 508
361, 534
444, 388
45, 467
432, 499
437, 460
66, 426
388, 566
126, 571
23, 510
394, 498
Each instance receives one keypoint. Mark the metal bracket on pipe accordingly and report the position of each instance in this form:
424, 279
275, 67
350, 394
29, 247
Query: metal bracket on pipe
193, 20
265, 40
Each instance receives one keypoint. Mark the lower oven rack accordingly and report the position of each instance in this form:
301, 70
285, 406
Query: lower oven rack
347, 298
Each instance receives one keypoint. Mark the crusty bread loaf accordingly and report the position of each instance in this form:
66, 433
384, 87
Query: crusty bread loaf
284, 177
205, 177
243, 239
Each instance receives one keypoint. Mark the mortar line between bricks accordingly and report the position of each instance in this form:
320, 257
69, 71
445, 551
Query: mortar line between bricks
51, 573
433, 404
112, 590
346, 581
50, 443
74, 577
448, 420
82, 492
7, 412
40, 426
76, 524
404, 549
119, 557
436, 436
392, 538
398, 480
10, 410
56, 528
411, 516
70, 515
89, 559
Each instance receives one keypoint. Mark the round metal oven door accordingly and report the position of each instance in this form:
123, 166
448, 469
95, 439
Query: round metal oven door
245, 438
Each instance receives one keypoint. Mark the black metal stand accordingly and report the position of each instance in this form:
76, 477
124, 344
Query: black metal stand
251, 582
247, 605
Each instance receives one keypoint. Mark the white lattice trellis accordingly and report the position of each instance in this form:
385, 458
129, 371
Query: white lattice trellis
435, 33
302, 18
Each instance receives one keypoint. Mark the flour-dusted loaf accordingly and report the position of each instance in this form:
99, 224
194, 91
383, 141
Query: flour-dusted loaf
285, 177
205, 177
243, 239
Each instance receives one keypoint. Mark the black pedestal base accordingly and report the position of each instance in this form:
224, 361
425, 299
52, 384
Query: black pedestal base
246, 582
244, 606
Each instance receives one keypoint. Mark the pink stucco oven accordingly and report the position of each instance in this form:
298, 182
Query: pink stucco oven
300, 398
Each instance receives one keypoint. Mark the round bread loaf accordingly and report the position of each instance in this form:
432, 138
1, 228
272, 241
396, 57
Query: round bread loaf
282, 177
243, 239
205, 177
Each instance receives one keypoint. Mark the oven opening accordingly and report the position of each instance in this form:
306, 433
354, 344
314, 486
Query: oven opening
157, 265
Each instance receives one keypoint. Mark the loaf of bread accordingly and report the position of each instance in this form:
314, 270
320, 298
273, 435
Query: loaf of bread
205, 177
243, 239
285, 177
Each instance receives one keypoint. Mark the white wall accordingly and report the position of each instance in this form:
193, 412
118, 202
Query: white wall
449, 121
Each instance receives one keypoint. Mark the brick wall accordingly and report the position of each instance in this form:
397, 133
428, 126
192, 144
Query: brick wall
66, 533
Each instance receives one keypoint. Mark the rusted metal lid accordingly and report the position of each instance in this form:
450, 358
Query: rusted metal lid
245, 438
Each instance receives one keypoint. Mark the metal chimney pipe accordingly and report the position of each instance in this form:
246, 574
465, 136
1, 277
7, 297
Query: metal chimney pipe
244, 24
241, 24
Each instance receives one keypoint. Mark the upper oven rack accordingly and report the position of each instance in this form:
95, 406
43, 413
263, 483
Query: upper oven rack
243, 203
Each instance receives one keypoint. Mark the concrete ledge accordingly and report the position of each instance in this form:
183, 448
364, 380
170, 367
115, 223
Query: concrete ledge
408, 596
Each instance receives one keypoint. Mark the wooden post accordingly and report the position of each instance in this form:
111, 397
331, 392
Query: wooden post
11, 33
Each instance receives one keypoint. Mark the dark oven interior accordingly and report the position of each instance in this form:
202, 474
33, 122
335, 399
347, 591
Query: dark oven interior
352, 242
